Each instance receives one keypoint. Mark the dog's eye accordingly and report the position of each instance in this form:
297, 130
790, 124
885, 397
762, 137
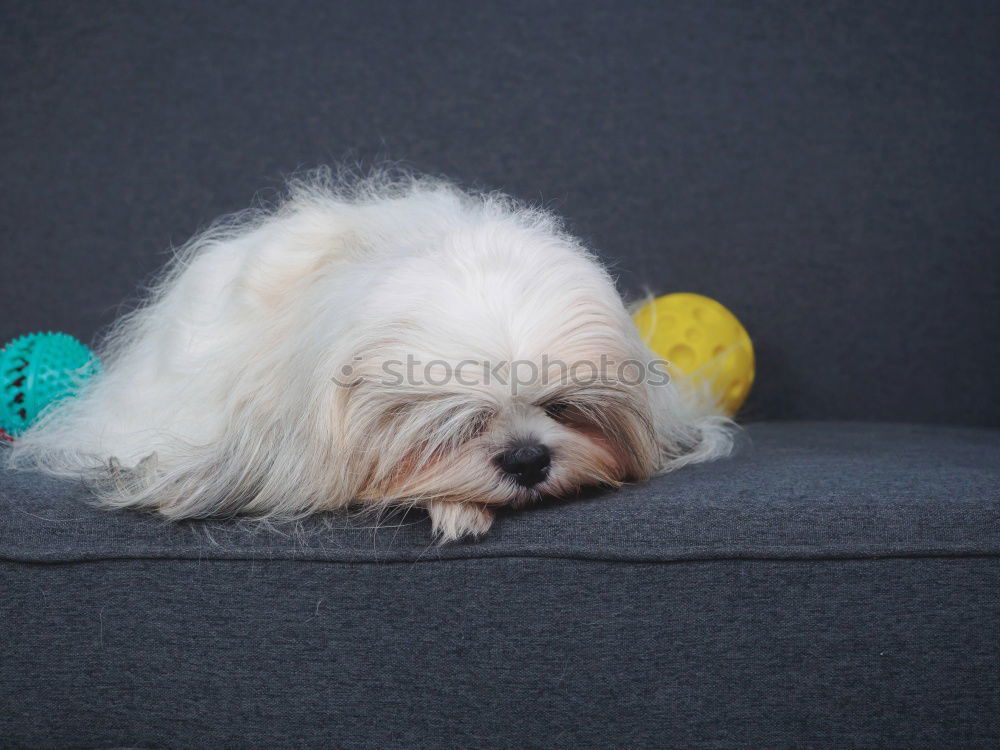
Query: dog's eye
478, 424
556, 409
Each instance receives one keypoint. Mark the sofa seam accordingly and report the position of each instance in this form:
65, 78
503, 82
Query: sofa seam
516, 556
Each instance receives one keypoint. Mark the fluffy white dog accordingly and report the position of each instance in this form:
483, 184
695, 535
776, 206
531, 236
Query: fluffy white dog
382, 342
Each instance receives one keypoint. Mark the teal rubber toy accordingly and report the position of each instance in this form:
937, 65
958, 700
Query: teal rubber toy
39, 369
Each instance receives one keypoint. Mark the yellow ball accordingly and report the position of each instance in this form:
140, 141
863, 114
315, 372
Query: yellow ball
701, 339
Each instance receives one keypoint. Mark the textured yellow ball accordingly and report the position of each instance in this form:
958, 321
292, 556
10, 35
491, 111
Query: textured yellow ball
703, 340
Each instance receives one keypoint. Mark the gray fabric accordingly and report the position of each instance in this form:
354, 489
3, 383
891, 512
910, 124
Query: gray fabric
501, 653
835, 585
794, 490
828, 170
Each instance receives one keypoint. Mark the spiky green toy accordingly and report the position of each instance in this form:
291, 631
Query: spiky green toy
39, 369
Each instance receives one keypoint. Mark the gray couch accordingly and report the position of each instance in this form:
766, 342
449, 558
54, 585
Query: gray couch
826, 170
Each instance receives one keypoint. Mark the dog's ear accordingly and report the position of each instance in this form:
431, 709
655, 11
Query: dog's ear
283, 255
241, 279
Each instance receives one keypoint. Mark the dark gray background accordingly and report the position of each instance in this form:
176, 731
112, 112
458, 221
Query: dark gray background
827, 170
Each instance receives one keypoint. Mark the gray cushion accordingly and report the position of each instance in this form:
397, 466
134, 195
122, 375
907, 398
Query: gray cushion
794, 490
835, 585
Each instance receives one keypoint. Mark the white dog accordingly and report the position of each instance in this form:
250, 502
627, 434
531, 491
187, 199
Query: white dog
390, 341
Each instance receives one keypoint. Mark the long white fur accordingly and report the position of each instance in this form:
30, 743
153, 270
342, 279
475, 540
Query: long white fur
219, 397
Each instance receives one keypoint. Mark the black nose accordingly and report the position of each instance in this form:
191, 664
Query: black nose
527, 464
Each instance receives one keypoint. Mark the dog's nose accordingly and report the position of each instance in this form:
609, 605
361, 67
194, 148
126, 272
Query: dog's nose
527, 464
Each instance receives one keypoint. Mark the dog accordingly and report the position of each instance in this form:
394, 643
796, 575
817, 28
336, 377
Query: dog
386, 341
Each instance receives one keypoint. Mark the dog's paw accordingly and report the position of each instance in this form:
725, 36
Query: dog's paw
451, 521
